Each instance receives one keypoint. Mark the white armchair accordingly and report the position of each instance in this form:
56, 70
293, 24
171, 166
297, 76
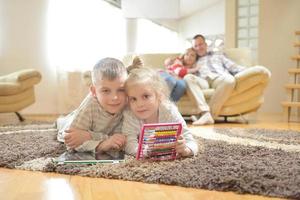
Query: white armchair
17, 90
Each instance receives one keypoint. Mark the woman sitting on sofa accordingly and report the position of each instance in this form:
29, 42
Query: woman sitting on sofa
177, 68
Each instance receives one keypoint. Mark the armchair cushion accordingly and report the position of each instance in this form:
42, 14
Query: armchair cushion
16, 90
241, 56
19, 81
150, 60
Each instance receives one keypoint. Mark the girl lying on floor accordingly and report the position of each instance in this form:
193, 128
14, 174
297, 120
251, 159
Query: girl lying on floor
149, 103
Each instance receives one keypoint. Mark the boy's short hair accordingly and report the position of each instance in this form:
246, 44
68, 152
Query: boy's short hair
108, 68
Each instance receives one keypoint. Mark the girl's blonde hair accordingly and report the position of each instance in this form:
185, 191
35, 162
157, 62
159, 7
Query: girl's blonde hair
108, 68
149, 77
186, 51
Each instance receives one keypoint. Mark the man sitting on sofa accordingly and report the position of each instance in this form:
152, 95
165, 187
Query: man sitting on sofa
219, 72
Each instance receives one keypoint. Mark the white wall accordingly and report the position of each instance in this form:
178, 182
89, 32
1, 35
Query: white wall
210, 21
278, 20
230, 23
23, 45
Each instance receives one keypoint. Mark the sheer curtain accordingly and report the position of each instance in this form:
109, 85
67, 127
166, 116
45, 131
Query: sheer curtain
79, 33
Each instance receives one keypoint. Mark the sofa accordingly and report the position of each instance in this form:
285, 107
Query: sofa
248, 93
17, 90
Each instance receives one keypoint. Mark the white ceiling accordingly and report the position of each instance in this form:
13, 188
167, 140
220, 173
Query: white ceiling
164, 9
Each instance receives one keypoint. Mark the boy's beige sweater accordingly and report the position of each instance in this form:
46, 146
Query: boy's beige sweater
90, 116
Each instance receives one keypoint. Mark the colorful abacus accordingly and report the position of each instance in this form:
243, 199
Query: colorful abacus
157, 141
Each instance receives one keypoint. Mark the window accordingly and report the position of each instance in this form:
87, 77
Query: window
81, 32
248, 25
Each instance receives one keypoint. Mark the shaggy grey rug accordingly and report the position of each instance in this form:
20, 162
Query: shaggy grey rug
220, 165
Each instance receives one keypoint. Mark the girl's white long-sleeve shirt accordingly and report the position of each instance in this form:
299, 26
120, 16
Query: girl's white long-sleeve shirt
168, 113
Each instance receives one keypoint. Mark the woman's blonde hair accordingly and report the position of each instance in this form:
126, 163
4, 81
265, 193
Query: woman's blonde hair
108, 68
149, 77
186, 51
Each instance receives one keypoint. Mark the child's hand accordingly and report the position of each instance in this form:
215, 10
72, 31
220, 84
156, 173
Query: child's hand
181, 147
192, 70
168, 62
76, 137
116, 142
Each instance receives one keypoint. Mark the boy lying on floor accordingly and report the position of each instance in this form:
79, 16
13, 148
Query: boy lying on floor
96, 124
